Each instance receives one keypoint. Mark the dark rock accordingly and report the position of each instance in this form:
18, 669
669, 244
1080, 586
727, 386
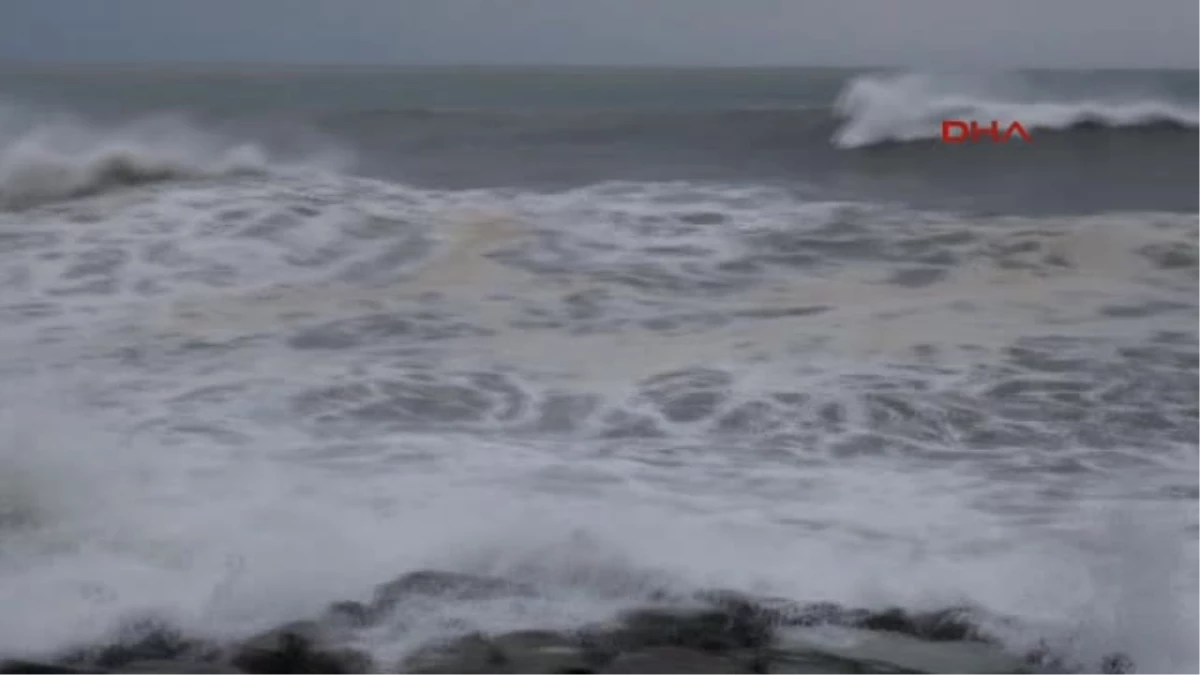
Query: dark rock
143, 639
816, 614
531, 651
750, 621
451, 585
722, 629
717, 631
536, 651
177, 667
807, 663
22, 666
765, 614
347, 614
298, 647
673, 660
468, 654
1113, 664
1042, 659
292, 637
945, 625
888, 652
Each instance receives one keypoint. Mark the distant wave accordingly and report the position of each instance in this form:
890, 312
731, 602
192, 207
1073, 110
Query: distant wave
50, 157
877, 109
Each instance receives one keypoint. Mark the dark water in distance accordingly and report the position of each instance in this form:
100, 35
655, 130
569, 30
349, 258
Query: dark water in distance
1105, 140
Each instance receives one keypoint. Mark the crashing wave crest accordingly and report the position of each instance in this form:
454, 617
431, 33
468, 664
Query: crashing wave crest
50, 158
909, 107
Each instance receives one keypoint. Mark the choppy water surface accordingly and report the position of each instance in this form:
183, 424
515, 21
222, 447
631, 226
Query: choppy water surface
242, 380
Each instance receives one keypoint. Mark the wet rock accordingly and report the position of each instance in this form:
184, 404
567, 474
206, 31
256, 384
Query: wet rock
818, 614
155, 666
720, 629
674, 660
888, 652
1115, 664
714, 631
530, 651
762, 615
946, 625
449, 585
537, 651
298, 647
143, 639
468, 654
23, 666
347, 615
803, 662
296, 636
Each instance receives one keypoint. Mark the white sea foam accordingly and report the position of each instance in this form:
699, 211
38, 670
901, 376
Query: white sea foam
171, 445
907, 107
46, 155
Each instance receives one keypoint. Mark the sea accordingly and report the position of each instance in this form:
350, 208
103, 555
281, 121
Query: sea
270, 336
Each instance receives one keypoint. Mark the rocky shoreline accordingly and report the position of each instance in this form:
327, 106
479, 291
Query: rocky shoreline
714, 632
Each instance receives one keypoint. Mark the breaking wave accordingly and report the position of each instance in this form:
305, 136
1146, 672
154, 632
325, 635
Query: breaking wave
47, 158
909, 107
235, 401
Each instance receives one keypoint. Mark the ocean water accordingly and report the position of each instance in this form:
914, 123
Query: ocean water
269, 338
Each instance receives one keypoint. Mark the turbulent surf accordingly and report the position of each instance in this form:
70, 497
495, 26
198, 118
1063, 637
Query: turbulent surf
608, 354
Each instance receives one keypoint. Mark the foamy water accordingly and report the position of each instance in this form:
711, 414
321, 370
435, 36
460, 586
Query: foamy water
233, 398
912, 106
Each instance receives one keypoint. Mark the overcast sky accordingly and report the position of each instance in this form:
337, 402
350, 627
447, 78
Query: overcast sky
1134, 33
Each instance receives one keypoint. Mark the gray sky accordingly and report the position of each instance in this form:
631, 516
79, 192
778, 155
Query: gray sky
1134, 33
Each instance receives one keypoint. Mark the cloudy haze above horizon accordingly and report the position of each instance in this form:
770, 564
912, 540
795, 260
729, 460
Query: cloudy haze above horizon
919, 33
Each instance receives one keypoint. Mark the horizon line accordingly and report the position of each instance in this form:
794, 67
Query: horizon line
398, 65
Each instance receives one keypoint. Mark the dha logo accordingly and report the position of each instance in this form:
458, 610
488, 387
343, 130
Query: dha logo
963, 131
